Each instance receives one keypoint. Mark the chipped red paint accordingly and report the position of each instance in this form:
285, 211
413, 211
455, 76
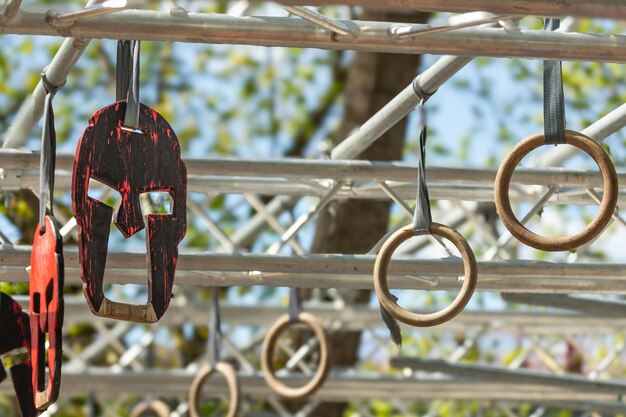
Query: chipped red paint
46, 312
131, 163
15, 331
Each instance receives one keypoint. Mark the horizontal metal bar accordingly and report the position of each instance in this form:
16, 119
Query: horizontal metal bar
291, 32
292, 177
340, 170
342, 271
477, 372
275, 186
338, 387
360, 318
584, 305
337, 170
611, 9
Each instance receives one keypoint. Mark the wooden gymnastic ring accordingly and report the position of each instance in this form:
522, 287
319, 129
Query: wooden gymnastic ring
431, 319
267, 356
159, 407
229, 374
607, 207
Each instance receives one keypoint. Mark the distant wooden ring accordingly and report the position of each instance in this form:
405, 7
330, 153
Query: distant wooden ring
595, 228
157, 406
267, 356
431, 319
228, 372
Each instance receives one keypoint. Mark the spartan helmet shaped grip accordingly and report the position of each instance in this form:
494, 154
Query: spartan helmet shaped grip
131, 163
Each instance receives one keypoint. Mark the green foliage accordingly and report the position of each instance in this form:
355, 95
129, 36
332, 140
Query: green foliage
20, 288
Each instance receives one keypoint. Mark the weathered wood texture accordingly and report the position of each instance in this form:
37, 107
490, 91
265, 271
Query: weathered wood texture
131, 163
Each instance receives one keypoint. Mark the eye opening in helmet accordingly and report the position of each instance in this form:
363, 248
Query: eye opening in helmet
156, 202
103, 193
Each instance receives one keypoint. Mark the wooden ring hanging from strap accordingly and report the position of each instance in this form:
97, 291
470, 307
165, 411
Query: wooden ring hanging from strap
158, 407
430, 319
267, 356
607, 207
229, 374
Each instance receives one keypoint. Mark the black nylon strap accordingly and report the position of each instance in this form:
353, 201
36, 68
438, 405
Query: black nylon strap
127, 81
553, 100
295, 303
215, 329
122, 70
422, 217
48, 153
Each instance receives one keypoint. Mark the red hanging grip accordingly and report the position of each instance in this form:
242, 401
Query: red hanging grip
46, 312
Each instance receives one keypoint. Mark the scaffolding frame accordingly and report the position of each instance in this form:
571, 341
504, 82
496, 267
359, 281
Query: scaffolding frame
340, 178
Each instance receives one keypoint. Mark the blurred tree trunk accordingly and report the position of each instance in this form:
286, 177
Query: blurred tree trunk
354, 226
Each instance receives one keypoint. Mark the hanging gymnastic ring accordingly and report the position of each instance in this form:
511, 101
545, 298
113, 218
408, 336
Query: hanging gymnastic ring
229, 374
431, 319
157, 406
607, 207
267, 356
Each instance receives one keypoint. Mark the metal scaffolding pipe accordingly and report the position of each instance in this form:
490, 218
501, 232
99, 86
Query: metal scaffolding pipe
320, 20
94, 10
477, 372
339, 170
338, 387
582, 305
611, 9
342, 271
10, 10
32, 109
372, 191
427, 82
292, 177
291, 32
360, 318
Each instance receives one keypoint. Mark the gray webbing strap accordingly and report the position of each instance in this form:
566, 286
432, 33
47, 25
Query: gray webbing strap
215, 329
421, 217
127, 81
553, 100
48, 153
295, 303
